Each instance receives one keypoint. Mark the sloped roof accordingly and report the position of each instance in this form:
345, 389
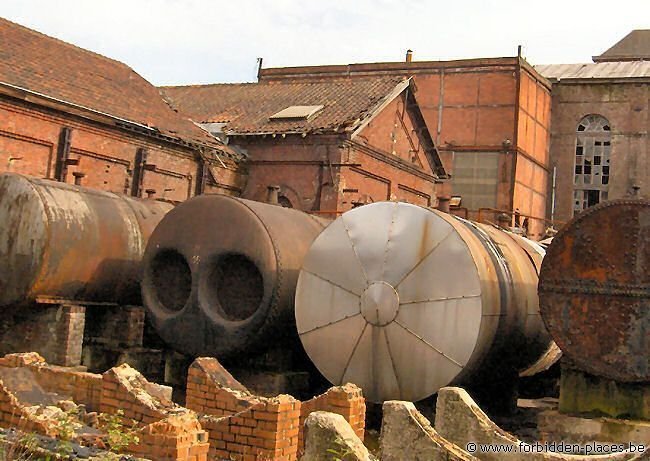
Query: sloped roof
246, 108
55, 69
599, 70
634, 46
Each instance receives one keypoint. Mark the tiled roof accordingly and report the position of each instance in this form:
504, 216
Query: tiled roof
633, 47
599, 70
41, 64
246, 107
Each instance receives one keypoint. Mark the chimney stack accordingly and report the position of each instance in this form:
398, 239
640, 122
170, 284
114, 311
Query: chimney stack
409, 55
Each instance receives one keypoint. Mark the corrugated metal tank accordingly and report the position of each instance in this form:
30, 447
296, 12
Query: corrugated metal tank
64, 242
403, 300
220, 274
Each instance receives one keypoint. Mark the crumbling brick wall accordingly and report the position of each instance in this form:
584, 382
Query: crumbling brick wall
346, 400
175, 438
83, 388
268, 430
240, 423
125, 389
211, 390
13, 414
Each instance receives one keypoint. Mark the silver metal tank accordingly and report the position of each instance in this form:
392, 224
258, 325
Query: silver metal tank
220, 274
60, 242
403, 300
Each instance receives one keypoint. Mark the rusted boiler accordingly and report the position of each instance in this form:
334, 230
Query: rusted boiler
220, 274
403, 300
60, 242
594, 290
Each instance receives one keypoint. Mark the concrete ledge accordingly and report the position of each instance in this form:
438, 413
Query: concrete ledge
329, 436
461, 421
406, 434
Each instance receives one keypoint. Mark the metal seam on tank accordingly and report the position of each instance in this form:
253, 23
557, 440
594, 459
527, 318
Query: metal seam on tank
530, 258
354, 349
393, 365
498, 259
390, 230
354, 249
413, 333
447, 218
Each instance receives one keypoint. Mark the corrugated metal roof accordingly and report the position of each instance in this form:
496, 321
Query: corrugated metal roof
599, 70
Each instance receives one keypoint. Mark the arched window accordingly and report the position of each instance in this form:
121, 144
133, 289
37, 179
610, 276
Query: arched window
592, 156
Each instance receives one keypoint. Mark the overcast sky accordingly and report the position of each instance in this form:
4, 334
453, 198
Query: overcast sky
200, 41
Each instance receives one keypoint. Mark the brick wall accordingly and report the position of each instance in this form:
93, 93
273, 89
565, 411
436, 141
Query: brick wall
13, 414
346, 400
267, 430
204, 395
175, 438
84, 388
241, 424
29, 138
124, 388
54, 331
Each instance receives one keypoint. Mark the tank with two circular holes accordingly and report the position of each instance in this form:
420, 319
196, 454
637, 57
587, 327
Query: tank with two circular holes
220, 274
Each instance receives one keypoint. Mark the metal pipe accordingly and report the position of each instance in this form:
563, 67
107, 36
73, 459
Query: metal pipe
403, 300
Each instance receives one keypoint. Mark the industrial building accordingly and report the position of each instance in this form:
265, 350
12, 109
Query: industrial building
326, 146
599, 131
175, 262
74, 116
489, 119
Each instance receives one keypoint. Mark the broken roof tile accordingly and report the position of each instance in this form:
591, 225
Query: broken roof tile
249, 108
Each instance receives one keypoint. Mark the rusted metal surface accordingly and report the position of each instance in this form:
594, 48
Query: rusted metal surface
595, 290
220, 274
403, 300
64, 242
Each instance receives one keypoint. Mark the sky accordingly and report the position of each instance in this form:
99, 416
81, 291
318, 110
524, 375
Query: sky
176, 42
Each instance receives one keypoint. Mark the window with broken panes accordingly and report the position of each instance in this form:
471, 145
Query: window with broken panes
592, 162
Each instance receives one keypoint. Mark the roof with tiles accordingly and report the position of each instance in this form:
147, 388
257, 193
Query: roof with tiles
248, 108
55, 69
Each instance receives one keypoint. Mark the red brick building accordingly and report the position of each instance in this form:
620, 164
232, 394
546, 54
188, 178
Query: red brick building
327, 145
75, 116
489, 119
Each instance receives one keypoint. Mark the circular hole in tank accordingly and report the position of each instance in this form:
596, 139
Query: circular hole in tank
235, 286
172, 279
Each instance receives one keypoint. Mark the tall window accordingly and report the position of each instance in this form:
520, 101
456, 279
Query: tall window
591, 171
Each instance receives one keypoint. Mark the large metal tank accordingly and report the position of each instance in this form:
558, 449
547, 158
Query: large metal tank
403, 300
62, 242
594, 290
220, 274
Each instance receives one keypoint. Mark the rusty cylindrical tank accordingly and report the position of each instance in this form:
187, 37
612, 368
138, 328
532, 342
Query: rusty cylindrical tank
594, 290
65, 242
403, 300
220, 274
